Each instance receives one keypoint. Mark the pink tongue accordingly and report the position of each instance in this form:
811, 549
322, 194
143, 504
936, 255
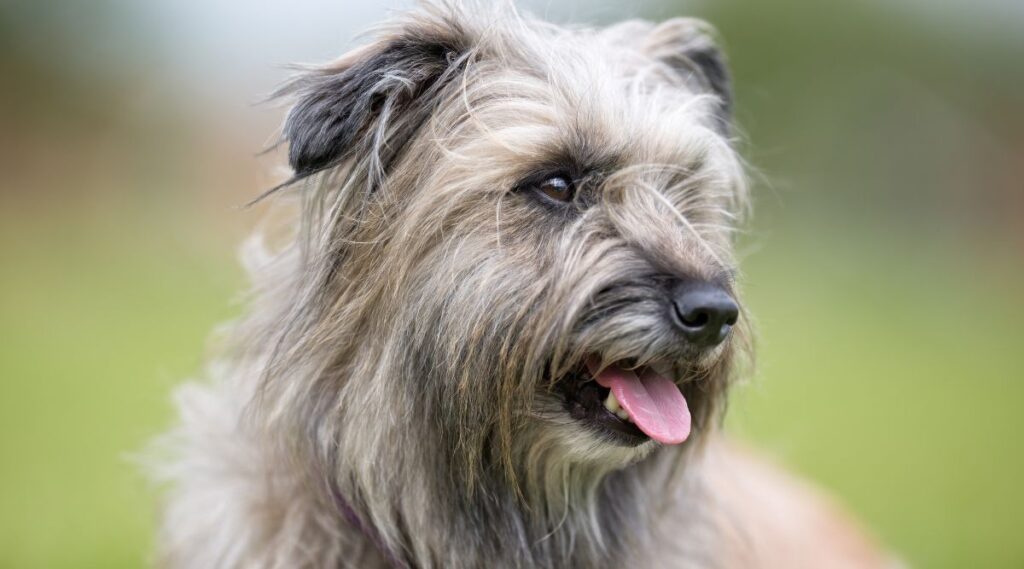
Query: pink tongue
654, 402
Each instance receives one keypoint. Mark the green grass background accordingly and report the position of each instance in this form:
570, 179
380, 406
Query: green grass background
894, 381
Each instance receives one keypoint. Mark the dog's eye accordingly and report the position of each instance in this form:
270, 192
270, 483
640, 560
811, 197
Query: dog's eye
558, 188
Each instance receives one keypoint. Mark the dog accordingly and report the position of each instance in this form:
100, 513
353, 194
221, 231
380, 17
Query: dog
501, 329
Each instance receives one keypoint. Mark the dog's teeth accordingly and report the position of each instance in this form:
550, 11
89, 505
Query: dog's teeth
611, 403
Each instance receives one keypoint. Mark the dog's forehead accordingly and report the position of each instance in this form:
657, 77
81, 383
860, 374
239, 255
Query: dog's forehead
602, 89
606, 94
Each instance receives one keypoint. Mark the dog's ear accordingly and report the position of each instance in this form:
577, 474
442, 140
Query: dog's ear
370, 101
688, 46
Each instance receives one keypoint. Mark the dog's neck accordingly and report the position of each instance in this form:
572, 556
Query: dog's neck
592, 525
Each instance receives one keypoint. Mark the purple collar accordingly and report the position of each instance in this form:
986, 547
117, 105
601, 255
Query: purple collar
368, 532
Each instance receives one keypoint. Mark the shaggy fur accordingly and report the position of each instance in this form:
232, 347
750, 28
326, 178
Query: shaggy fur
389, 399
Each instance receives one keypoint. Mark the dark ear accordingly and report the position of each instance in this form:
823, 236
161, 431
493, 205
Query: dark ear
369, 102
688, 46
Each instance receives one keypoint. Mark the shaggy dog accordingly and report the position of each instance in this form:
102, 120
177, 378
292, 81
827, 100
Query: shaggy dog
502, 328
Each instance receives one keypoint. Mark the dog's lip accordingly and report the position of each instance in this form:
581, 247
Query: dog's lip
585, 400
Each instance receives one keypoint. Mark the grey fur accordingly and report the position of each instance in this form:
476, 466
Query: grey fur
403, 340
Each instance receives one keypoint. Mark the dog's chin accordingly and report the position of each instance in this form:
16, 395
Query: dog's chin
575, 441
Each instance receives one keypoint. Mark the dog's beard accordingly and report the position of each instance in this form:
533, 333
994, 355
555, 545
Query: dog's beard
508, 376
479, 384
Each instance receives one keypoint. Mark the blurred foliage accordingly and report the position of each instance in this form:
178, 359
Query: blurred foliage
883, 265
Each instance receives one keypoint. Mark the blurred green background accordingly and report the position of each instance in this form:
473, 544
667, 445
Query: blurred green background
884, 264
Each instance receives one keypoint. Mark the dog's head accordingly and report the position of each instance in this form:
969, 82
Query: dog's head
518, 241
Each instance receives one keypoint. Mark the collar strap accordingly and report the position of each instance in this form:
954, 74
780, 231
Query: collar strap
369, 532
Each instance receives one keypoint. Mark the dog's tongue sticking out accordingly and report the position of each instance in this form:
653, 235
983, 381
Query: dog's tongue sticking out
654, 402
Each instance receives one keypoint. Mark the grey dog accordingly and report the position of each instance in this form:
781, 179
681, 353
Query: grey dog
501, 324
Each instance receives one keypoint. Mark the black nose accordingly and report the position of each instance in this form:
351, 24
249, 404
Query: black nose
703, 312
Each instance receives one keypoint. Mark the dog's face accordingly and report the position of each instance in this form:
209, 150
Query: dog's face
528, 233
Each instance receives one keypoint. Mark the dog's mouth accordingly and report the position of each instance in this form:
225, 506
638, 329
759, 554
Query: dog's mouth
627, 403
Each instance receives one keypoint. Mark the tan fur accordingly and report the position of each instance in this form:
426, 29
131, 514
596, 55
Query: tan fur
404, 346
